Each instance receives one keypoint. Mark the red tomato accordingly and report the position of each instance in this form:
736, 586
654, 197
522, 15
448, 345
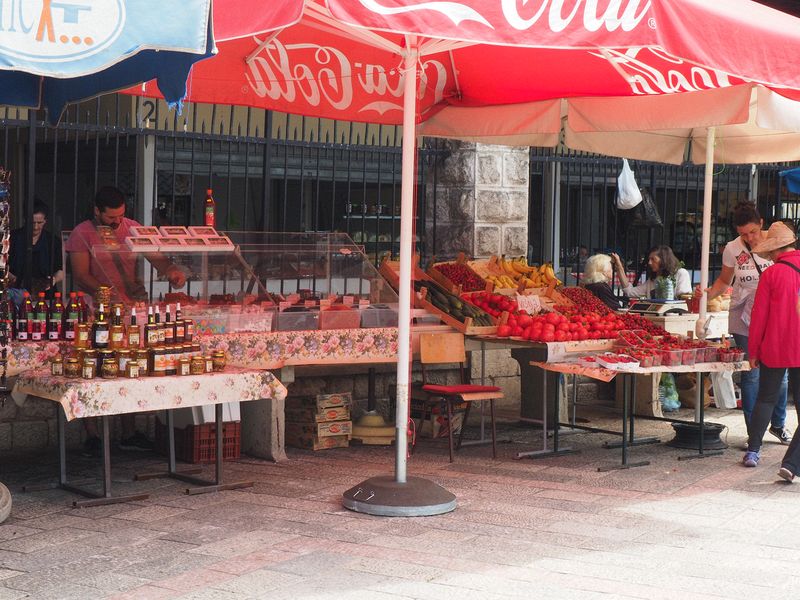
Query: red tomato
503, 331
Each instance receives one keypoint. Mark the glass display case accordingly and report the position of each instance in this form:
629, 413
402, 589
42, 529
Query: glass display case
263, 281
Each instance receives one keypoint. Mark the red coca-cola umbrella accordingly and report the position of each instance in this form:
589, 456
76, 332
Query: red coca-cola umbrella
493, 70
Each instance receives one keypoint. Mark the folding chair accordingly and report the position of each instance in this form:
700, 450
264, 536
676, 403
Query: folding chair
441, 348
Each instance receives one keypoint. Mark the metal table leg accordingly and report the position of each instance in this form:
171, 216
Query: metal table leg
628, 401
633, 440
544, 452
205, 486
93, 498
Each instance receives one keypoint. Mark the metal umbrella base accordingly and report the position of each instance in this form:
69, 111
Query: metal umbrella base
385, 497
687, 435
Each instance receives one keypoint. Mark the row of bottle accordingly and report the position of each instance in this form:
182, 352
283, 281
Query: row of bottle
114, 334
40, 320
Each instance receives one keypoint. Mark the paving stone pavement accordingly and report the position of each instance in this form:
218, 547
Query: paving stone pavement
552, 528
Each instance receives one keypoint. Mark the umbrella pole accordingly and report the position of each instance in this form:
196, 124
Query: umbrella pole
403, 496
705, 242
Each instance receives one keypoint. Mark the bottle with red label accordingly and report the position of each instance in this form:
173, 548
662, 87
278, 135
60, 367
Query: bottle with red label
40, 312
209, 210
25, 318
55, 320
72, 316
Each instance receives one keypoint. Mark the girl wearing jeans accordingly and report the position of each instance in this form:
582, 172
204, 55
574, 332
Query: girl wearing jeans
774, 335
742, 269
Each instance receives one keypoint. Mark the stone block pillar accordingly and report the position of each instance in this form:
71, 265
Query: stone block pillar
481, 200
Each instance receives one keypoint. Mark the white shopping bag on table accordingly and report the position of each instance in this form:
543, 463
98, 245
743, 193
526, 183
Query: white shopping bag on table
724, 392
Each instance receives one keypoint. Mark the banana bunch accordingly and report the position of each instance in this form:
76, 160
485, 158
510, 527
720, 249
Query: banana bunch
503, 281
518, 270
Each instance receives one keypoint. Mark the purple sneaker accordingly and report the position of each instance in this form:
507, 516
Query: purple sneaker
751, 459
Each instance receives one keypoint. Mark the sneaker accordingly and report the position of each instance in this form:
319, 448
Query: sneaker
783, 434
751, 458
137, 441
92, 447
786, 474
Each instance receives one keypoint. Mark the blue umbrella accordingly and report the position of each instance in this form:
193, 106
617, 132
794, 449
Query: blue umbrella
53, 52
792, 177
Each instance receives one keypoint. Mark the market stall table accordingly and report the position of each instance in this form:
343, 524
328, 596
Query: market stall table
81, 398
629, 395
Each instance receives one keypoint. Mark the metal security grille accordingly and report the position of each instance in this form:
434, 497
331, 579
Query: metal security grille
584, 188
322, 175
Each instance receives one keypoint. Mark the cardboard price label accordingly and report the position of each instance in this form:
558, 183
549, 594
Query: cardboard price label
284, 305
347, 300
530, 304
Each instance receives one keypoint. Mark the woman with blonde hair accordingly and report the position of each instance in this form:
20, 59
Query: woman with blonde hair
597, 276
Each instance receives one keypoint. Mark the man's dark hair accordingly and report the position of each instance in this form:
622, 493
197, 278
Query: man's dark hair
745, 213
109, 197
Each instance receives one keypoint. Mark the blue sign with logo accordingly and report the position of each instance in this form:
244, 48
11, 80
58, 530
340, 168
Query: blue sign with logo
65, 48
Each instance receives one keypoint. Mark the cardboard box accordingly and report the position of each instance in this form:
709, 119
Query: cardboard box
330, 400
309, 415
437, 426
321, 430
312, 442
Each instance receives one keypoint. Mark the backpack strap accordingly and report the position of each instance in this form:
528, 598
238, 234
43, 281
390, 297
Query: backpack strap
788, 264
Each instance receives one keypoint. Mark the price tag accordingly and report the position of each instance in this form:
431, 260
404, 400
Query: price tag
347, 300
310, 303
530, 304
284, 305
325, 303
362, 303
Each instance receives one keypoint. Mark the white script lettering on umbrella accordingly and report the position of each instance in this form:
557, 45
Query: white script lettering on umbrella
331, 77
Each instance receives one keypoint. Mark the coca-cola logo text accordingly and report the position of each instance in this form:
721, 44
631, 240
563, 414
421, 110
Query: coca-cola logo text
645, 78
278, 71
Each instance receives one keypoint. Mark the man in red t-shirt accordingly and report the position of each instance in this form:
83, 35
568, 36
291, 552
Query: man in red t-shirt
116, 269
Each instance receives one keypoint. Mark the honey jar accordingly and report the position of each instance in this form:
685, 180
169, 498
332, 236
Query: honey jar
89, 356
109, 368
218, 361
123, 358
198, 366
57, 366
82, 332
132, 370
142, 359
184, 366
102, 295
87, 372
72, 367
209, 364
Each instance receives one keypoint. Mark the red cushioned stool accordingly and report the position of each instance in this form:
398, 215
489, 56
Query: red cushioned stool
440, 348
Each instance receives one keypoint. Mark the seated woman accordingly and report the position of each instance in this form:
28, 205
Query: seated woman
597, 276
661, 263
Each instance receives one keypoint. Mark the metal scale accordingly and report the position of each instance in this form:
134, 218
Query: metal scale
659, 307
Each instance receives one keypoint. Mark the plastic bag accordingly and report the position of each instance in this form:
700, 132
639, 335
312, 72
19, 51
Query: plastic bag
724, 391
645, 214
668, 393
628, 193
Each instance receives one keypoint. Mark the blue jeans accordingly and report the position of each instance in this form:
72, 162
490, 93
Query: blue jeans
749, 384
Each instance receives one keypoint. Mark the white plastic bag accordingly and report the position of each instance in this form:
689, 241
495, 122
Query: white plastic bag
628, 194
724, 392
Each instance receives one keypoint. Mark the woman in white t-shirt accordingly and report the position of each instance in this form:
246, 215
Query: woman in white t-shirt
741, 268
662, 262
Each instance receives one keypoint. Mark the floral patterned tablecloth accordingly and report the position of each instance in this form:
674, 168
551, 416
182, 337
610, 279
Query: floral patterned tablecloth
282, 348
28, 356
96, 397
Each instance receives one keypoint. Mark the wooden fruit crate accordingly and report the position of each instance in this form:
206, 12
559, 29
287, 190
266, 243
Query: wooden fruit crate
390, 271
450, 285
466, 327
